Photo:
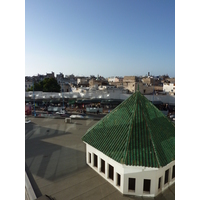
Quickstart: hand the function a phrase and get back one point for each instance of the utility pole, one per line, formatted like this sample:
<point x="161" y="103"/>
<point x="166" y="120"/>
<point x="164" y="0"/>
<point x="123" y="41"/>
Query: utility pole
<point x="153" y="88"/>
<point x="33" y="99"/>
<point x="63" y="95"/>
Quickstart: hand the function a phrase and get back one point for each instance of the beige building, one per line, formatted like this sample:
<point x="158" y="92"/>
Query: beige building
<point x="115" y="79"/>
<point x="158" y="88"/>
<point x="131" y="84"/>
<point x="147" y="80"/>
<point x="170" y="80"/>
<point x="144" y="89"/>
<point x="82" y="81"/>
<point x="117" y="84"/>
<point x="151" y="81"/>
<point x="93" y="82"/>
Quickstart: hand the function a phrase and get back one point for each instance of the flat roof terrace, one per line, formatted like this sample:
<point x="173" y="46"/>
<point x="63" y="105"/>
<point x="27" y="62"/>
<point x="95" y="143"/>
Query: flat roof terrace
<point x="55" y="155"/>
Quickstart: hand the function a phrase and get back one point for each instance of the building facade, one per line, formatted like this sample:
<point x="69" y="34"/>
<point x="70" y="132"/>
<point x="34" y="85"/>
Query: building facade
<point x="28" y="85"/>
<point x="97" y="82"/>
<point x="169" y="87"/>
<point x="133" y="148"/>
<point x="131" y="180"/>
<point x="129" y="83"/>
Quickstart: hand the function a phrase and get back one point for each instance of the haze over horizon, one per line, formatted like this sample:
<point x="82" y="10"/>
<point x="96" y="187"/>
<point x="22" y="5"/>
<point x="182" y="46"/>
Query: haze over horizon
<point x="109" y="38"/>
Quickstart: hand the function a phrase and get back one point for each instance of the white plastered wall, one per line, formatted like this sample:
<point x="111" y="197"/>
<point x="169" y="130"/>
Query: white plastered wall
<point x="126" y="172"/>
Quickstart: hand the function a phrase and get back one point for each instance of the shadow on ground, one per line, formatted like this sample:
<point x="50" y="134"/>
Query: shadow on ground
<point x="47" y="160"/>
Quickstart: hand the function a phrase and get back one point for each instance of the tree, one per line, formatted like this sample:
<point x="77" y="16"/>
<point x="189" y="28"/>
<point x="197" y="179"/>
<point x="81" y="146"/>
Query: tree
<point x="51" y="85"/>
<point x="47" y="85"/>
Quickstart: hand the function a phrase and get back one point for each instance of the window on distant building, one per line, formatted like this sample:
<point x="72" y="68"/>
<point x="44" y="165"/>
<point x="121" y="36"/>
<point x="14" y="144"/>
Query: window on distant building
<point x="131" y="184"/>
<point x="111" y="172"/>
<point x="103" y="166"/>
<point x="166" y="176"/>
<point x="147" y="185"/>
<point x="89" y="157"/>
<point x="95" y="161"/>
<point x="173" y="172"/>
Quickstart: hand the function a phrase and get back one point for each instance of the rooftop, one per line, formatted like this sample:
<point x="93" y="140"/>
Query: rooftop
<point x="55" y="156"/>
<point x="135" y="133"/>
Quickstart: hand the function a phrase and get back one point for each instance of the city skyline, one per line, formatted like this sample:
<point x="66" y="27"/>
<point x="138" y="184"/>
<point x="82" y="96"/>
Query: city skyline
<point x="96" y="75"/>
<point x="109" y="38"/>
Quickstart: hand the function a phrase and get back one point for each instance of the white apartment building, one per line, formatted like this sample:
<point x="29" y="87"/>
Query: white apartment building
<point x="169" y="87"/>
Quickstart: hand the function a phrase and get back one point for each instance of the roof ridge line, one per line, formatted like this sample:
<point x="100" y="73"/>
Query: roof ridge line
<point x="129" y="132"/>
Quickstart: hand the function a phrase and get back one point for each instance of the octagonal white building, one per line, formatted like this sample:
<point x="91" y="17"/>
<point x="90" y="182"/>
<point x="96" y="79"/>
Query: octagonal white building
<point x="133" y="148"/>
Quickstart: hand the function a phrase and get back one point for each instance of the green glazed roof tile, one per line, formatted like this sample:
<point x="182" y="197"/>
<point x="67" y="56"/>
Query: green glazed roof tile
<point x="135" y="133"/>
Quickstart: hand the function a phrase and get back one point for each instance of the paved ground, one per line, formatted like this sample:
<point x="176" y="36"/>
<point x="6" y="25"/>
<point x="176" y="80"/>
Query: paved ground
<point x="55" y="155"/>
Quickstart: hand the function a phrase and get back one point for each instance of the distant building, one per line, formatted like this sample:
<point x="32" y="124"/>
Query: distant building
<point x="82" y="81"/>
<point x="133" y="148"/>
<point x="65" y="87"/>
<point x="28" y="84"/>
<point x="164" y="77"/>
<point x="71" y="79"/>
<point x="59" y="78"/>
<point x="50" y="75"/>
<point x="170" y="80"/>
<point x="131" y="84"/>
<point x="158" y="88"/>
<point x="38" y="78"/>
<point x="115" y="79"/>
<point x="169" y="87"/>
<point x="151" y="81"/>
<point x="97" y="82"/>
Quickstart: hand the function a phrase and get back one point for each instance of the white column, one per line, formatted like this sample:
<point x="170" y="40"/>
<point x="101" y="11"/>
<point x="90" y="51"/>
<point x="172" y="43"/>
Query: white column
<point x="115" y="177"/>
<point x="170" y="174"/>
<point x="86" y="154"/>
<point x="99" y="164"/>
<point x="106" y="169"/>
<point x="139" y="185"/>
<point x="92" y="159"/>
<point x="163" y="181"/>
<point x="125" y="184"/>
<point x="122" y="183"/>
<point x="154" y="185"/>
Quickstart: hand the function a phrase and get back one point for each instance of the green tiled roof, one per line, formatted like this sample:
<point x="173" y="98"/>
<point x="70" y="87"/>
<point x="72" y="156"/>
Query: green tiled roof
<point x="135" y="133"/>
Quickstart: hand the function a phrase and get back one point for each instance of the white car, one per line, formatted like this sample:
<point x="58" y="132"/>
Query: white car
<point x="172" y="116"/>
<point x="76" y="116"/>
<point x="27" y="120"/>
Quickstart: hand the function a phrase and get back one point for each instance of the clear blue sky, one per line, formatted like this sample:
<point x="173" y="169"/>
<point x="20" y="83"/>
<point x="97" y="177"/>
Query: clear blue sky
<point x="105" y="37"/>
